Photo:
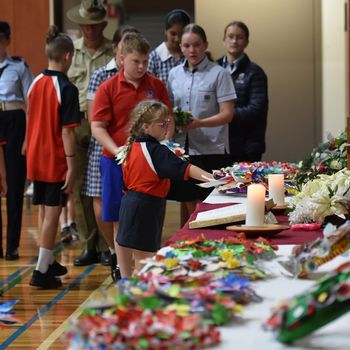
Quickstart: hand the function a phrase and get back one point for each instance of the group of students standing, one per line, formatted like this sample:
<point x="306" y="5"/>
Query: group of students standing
<point x="129" y="102"/>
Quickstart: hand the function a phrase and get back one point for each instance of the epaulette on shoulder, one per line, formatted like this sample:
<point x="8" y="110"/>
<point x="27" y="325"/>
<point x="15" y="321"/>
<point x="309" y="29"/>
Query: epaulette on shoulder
<point x="19" y="59"/>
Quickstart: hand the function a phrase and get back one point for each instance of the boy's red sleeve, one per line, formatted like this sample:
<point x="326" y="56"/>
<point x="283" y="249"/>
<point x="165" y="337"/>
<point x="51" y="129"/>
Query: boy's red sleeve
<point x="103" y="108"/>
<point x="187" y="172"/>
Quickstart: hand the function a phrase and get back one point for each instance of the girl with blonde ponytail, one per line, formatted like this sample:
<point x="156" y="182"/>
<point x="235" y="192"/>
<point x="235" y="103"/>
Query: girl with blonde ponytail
<point x="147" y="170"/>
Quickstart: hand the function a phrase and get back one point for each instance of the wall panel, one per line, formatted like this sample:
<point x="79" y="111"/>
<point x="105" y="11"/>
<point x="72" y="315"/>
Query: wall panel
<point x="285" y="38"/>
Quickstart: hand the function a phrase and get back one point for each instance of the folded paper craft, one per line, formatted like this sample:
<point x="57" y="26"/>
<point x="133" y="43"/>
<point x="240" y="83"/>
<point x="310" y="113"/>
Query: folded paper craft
<point x="327" y="300"/>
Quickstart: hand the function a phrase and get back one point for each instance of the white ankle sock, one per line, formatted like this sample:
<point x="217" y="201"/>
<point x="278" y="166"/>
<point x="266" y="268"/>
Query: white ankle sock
<point x="44" y="260"/>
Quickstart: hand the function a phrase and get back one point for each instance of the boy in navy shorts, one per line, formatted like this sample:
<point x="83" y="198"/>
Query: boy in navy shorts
<point x="52" y="115"/>
<point x="114" y="101"/>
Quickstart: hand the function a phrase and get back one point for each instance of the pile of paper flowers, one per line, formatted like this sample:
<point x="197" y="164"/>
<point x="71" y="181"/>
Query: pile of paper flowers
<point x="238" y="177"/>
<point x="176" y="301"/>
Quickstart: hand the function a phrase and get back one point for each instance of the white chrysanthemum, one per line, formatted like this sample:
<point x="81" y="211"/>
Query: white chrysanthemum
<point x="322" y="197"/>
<point x="303" y="213"/>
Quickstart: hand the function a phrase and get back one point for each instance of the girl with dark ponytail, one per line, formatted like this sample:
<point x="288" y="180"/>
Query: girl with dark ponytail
<point x="168" y="54"/>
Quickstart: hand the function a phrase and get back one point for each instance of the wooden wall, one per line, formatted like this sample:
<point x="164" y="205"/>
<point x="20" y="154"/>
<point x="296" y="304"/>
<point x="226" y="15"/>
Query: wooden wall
<point x="29" y="21"/>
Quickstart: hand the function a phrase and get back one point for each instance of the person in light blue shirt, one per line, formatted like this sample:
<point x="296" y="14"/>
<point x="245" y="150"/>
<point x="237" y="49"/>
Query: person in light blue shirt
<point x="15" y="80"/>
<point x="204" y="89"/>
<point x="168" y="54"/>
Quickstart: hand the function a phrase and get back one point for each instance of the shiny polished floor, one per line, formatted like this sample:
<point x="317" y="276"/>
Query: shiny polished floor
<point x="43" y="315"/>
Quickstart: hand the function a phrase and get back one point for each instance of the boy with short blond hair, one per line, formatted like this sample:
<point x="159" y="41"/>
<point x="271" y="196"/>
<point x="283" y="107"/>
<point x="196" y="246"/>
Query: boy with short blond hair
<point x="114" y="101"/>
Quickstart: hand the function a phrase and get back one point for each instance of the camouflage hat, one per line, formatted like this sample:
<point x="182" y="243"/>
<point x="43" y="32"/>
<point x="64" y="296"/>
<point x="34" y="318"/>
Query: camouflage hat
<point x="88" y="12"/>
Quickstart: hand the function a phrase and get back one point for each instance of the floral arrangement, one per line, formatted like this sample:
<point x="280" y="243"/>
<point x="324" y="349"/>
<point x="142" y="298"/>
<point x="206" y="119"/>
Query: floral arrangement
<point x="321" y="197"/>
<point x="327" y="158"/>
<point x="238" y="177"/>
<point x="181" y="117"/>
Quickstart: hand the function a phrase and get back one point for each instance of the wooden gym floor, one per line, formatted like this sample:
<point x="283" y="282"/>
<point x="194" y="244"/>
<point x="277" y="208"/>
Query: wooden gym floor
<point x="44" y="314"/>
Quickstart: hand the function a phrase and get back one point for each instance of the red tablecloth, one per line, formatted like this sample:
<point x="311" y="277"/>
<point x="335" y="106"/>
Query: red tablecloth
<point x="216" y="232"/>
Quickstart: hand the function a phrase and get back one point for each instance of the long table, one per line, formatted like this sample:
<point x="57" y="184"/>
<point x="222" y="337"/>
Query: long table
<point x="246" y="332"/>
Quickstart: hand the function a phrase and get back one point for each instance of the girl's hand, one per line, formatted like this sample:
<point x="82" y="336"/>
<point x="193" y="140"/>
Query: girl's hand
<point x="207" y="177"/>
<point x="195" y="123"/>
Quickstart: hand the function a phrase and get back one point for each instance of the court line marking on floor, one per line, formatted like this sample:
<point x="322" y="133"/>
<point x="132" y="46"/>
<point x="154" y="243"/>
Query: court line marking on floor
<point x="45" y="309"/>
<point x="59" y="331"/>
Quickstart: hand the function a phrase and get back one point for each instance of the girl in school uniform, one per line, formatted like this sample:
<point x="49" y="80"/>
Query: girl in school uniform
<point x="147" y="170"/>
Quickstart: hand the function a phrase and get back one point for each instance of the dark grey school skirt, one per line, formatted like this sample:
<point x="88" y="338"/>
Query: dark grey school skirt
<point x="141" y="221"/>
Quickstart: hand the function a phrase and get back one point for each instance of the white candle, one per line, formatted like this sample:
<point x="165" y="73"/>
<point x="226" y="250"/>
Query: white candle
<point x="255" y="205"/>
<point x="276" y="188"/>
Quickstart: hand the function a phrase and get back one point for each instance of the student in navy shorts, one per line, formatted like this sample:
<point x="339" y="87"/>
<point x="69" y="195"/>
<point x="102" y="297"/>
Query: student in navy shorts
<point x="147" y="170"/>
<point x="53" y="113"/>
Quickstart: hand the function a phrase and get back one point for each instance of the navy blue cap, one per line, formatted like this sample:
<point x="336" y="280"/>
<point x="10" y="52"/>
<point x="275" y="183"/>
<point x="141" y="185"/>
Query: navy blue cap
<point x="5" y="29"/>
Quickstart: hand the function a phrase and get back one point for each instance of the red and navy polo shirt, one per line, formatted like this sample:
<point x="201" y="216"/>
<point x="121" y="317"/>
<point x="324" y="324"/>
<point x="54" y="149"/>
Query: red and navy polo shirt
<point x="150" y="166"/>
<point x="53" y="105"/>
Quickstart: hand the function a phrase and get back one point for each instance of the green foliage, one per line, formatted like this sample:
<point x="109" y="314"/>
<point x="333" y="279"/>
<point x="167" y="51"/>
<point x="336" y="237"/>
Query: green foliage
<point x="327" y="158"/>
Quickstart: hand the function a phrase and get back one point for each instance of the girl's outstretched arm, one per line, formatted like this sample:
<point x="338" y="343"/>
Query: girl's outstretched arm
<point x="199" y="174"/>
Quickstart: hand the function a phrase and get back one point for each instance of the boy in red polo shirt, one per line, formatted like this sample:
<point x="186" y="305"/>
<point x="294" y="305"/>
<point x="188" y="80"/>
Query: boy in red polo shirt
<point x="114" y="101"/>
<point x="52" y="115"/>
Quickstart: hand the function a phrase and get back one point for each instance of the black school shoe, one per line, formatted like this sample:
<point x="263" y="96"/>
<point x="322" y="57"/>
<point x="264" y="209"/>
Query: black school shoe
<point x="87" y="257"/>
<point x="115" y="271"/>
<point x="13" y="255"/>
<point x="116" y="276"/>
<point x="66" y="235"/>
<point x="105" y="258"/>
<point x="44" y="280"/>
<point x="74" y="231"/>
<point x="57" y="269"/>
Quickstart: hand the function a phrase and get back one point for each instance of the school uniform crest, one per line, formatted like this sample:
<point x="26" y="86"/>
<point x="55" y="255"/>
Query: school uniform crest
<point x="240" y="78"/>
<point x="150" y="93"/>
